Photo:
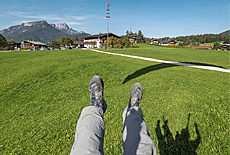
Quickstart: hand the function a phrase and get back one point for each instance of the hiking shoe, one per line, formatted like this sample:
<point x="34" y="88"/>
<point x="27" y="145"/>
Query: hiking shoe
<point x="96" y="87"/>
<point x="135" y="95"/>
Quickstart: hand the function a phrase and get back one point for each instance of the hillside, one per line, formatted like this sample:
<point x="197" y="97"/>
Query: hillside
<point x="37" y="31"/>
<point x="225" y="32"/>
<point x="203" y="38"/>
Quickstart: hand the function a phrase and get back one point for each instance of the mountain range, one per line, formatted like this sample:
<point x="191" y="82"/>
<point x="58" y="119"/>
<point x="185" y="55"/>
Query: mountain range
<point x="41" y="31"/>
<point x="44" y="32"/>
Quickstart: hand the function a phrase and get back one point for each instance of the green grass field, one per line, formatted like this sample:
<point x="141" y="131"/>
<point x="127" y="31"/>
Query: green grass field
<point x="207" y="44"/>
<point x="42" y="94"/>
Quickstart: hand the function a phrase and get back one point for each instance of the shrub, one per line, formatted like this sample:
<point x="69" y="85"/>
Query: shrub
<point x="134" y="46"/>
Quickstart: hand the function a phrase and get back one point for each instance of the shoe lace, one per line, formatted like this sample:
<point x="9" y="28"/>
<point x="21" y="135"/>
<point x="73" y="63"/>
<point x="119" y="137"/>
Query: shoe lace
<point x="136" y="97"/>
<point x="95" y="95"/>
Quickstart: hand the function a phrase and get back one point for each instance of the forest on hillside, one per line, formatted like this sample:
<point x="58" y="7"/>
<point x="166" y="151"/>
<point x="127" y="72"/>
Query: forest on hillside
<point x="201" y="39"/>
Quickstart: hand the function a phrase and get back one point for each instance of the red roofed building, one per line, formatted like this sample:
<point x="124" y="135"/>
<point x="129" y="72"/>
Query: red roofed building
<point x="203" y="47"/>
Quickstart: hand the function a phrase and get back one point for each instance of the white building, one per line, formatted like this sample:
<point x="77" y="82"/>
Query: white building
<point x="97" y="40"/>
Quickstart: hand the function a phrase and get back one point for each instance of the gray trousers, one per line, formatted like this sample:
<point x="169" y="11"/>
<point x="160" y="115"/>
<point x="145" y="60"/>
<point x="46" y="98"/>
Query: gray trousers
<point x="89" y="135"/>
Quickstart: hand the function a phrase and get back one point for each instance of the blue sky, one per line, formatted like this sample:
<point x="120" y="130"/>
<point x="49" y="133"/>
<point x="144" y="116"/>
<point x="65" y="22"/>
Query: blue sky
<point x="155" y="18"/>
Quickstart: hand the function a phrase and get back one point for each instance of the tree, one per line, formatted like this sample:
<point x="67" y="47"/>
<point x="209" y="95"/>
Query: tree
<point x="55" y="44"/>
<point x="186" y="43"/>
<point x="194" y="43"/>
<point x="140" y="35"/>
<point x="62" y="41"/>
<point x="216" y="46"/>
<point x="11" y="44"/>
<point x="66" y="41"/>
<point x="180" y="44"/>
<point x="75" y="39"/>
<point x="111" y="41"/>
<point x="148" y="40"/>
<point x="3" y="42"/>
<point x="126" y="42"/>
<point x="119" y="42"/>
<point x="127" y="32"/>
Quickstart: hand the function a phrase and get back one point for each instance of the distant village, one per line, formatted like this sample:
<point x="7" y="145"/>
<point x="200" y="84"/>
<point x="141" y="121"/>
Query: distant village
<point x="28" y="36"/>
<point x="100" y="41"/>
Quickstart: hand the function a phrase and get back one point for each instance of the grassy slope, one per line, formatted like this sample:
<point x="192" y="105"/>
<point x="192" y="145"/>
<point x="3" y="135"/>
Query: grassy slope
<point x="207" y="44"/>
<point x="43" y="93"/>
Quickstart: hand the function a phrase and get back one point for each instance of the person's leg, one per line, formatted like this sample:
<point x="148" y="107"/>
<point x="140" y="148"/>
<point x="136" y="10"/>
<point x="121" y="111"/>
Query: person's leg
<point x="89" y="135"/>
<point x="136" y="136"/>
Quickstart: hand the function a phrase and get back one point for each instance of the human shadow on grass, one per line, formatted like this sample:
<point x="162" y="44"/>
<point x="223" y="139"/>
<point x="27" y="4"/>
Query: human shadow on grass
<point x="203" y="64"/>
<point x="179" y="145"/>
<point x="148" y="69"/>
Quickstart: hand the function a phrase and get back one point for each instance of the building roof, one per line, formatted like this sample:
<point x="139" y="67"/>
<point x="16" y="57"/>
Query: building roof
<point x="35" y="42"/>
<point x="225" y="46"/>
<point x="167" y="41"/>
<point x="202" y="47"/>
<point x="100" y="35"/>
<point x="78" y="42"/>
<point x="128" y="35"/>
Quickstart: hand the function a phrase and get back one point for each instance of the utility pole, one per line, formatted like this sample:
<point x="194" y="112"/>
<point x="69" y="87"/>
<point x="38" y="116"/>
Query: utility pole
<point x="107" y="16"/>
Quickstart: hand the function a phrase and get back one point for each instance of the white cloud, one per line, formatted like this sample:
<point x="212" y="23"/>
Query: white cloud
<point x="73" y="23"/>
<point x="74" y="20"/>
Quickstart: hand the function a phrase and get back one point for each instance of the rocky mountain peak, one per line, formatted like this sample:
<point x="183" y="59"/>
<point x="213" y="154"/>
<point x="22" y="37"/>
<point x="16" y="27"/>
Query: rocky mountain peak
<point x="65" y="28"/>
<point x="34" y="23"/>
<point x="61" y="26"/>
<point x="40" y="31"/>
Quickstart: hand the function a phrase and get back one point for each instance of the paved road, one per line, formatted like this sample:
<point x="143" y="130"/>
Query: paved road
<point x="168" y="62"/>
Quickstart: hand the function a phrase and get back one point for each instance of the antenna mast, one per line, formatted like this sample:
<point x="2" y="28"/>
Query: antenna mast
<point x="107" y="16"/>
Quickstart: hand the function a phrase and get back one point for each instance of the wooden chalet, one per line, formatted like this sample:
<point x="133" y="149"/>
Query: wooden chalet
<point x="168" y="43"/>
<point x="32" y="44"/>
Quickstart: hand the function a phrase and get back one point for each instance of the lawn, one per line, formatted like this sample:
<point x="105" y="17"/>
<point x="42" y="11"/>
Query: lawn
<point x="207" y="44"/>
<point x="196" y="56"/>
<point x="42" y="94"/>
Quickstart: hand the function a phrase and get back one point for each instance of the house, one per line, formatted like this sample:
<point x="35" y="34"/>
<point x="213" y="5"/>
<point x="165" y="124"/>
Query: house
<point x="203" y="47"/>
<point x="97" y="40"/>
<point x="79" y="44"/>
<point x="225" y="47"/>
<point x="168" y="42"/>
<point x="154" y="41"/>
<point x="132" y="38"/>
<point x="32" y="44"/>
